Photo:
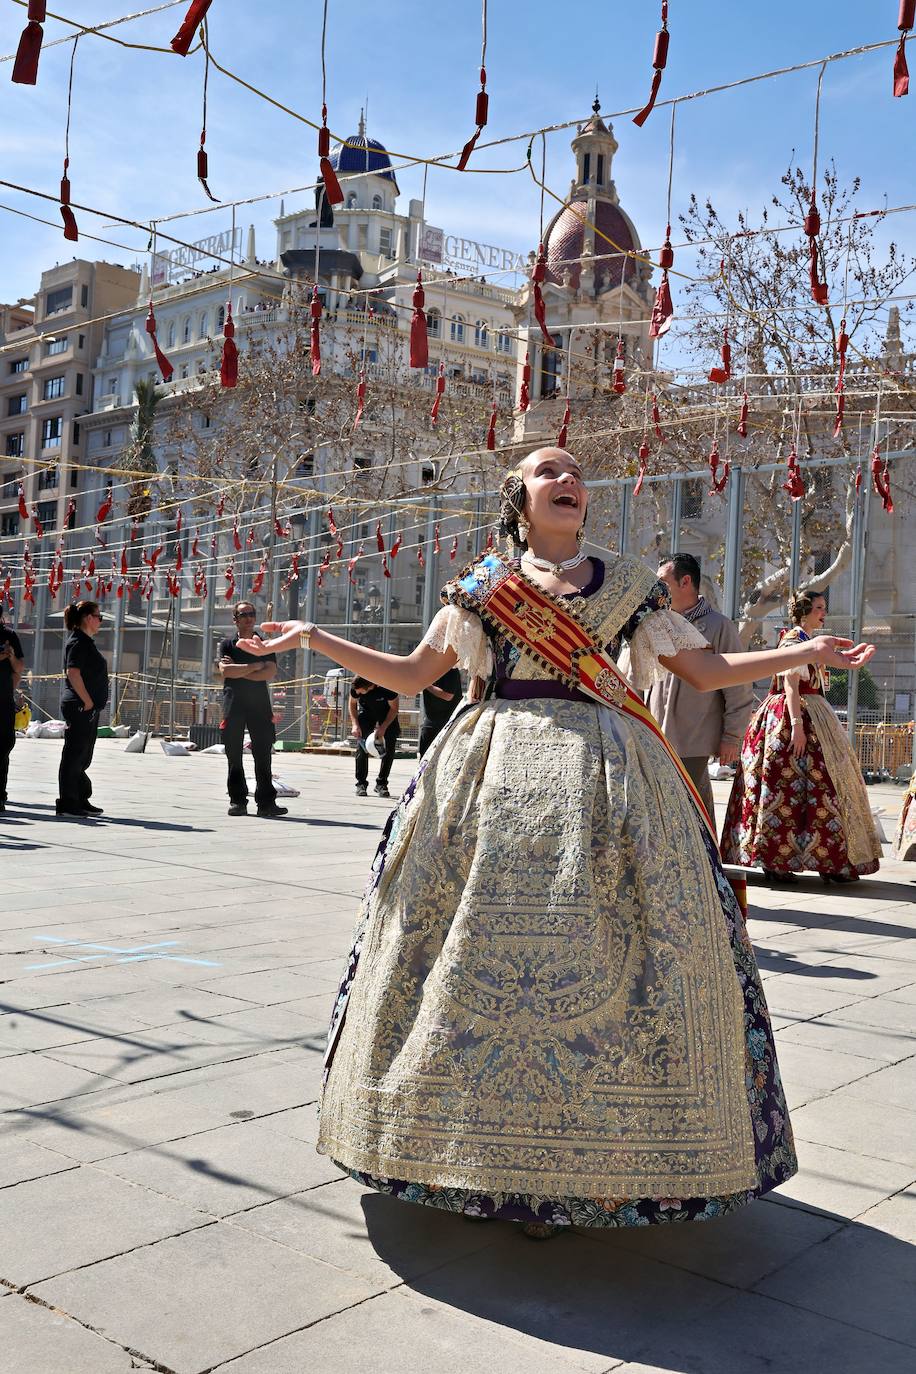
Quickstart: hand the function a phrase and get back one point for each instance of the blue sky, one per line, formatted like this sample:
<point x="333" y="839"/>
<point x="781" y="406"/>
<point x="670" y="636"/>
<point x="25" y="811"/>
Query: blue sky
<point x="136" y="115"/>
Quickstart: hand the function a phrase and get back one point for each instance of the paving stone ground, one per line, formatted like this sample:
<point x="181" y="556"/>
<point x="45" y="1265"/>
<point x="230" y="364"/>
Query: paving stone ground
<point x="165" y="980"/>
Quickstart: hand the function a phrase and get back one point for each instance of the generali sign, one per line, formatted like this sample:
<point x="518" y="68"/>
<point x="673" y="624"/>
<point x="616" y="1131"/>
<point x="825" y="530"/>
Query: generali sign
<point x="450" y="250"/>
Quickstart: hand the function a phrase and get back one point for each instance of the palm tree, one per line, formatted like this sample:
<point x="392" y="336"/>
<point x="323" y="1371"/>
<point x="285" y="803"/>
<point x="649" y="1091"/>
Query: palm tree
<point x="141" y="455"/>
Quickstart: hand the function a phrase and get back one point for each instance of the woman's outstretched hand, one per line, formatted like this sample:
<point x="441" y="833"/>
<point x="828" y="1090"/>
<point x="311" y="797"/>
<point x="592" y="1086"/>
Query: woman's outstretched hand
<point x="284" y="635"/>
<point x="832" y="652"/>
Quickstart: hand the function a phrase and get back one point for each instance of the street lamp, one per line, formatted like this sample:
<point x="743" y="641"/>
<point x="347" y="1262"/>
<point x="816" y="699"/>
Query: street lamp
<point x="373" y="602"/>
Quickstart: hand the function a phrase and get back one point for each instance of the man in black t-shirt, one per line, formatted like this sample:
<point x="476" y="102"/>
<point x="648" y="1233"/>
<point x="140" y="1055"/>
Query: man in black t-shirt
<point x="373" y="712"/>
<point x="12" y="666"/>
<point x="439" y="703"/>
<point x="246" y="705"/>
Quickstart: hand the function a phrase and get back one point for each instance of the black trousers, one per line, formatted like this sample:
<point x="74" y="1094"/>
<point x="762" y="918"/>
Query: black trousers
<point x="262" y="732"/>
<point x="73" y="785"/>
<point x="7" y="742"/>
<point x="362" y="758"/>
<point x="429" y="729"/>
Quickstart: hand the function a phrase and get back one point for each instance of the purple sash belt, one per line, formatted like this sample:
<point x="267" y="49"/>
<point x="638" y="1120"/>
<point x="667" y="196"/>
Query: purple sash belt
<point x="511" y="689"/>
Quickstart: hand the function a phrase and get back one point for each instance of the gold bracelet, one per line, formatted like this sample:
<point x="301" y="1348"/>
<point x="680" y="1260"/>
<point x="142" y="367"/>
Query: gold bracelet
<point x="305" y="636"/>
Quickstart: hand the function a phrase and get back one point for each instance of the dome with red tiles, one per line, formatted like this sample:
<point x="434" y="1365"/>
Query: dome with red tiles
<point x="566" y="235"/>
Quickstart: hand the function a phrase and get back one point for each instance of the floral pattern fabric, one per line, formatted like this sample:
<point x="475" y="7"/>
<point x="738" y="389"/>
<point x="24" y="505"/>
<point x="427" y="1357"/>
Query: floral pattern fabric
<point x="788" y="814"/>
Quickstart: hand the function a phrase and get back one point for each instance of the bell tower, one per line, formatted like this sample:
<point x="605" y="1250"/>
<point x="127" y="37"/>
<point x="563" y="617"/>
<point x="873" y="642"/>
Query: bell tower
<point x="594" y="147"/>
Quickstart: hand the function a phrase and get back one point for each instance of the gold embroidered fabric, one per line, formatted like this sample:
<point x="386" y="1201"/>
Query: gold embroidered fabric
<point x="660" y="634"/>
<point x="862" y="843"/>
<point x="546" y="1000"/>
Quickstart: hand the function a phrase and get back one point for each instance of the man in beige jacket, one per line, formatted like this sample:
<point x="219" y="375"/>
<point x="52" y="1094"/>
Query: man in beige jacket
<point x="700" y="725"/>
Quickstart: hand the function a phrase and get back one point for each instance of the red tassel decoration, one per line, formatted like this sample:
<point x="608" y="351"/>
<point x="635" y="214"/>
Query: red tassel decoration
<point x="332" y="192"/>
<point x="25" y="67"/>
<point x="386" y="571"/>
<point x="230" y="582"/>
<point x="39" y="527"/>
<point x="203" y="170"/>
<point x="742" y="418"/>
<point x="314" y="331"/>
<point x="151" y="559"/>
<point x="165" y="367"/>
<point x="490" y="542"/>
<point x="105" y="508"/>
<point x="179" y="560"/>
<point x="440" y="392"/>
<point x="905" y="21"/>
<point x="23" y="508"/>
<point x="643" y="465"/>
<point x="69" y="513"/>
<point x="419" y="345"/>
<point x="840" y="388"/>
<point x="70" y="230"/>
<point x="421" y="561"/>
<point x="395" y="548"/>
<point x="437" y="546"/>
<point x="812" y="229"/>
<point x="524" y="395"/>
<point x="453" y="551"/>
<point x="659" y="61"/>
<point x="192" y="22"/>
<point x="881" y="478"/>
<point x="360" y="399"/>
<point x="379" y="538"/>
<point x="539" y="275"/>
<point x="490" y="432"/>
<point x="717" y="482"/>
<point x="229" y="363"/>
<point x="491" y="429"/>
<point x="236" y="538"/>
<point x="124" y="562"/>
<point x="481" y="111"/>
<point x="619" y="382"/>
<point x="564" y="427"/>
<point x="195" y="547"/>
<point x="794" y="483"/>
<point x="663" y="308"/>
<point x="657" y="420"/>
<point x="258" y="581"/>
<point x="719" y="375"/>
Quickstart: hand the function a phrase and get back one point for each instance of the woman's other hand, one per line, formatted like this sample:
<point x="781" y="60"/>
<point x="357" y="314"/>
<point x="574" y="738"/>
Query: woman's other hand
<point x="833" y="652"/>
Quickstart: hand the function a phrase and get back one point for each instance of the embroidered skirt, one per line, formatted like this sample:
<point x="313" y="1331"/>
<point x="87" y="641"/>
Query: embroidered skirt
<point x="551" y="1010"/>
<point x="788" y="814"/>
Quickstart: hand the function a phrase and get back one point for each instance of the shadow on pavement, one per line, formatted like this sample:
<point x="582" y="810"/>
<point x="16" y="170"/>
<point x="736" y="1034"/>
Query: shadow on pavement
<point x="757" y="1291"/>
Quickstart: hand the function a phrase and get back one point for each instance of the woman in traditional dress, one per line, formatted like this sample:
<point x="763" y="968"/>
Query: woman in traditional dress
<point x="905" y="835"/>
<point x="551" y="1012"/>
<point x="798" y="800"/>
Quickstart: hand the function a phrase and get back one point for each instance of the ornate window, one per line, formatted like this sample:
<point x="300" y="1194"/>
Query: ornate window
<point x="481" y="334"/>
<point x="434" y="324"/>
<point x="457" y="329"/>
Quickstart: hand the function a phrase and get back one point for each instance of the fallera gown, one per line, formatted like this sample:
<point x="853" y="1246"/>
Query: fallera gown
<point x="551" y="1011"/>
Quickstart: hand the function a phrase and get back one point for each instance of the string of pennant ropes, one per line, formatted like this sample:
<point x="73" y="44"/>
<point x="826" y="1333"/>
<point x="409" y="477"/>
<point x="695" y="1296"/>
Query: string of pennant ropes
<point x="193" y="36"/>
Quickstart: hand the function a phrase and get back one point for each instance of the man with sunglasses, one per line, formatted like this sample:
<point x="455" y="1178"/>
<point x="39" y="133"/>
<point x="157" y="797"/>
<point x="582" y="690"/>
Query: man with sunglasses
<point x="247" y="706"/>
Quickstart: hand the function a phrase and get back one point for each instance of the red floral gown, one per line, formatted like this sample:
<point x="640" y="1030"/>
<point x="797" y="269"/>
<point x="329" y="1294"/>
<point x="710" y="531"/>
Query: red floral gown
<point x="788" y="814"/>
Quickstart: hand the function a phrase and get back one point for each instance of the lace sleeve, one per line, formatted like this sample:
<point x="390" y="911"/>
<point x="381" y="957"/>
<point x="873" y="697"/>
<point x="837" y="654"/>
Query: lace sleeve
<point x="461" y="630"/>
<point x="660" y="633"/>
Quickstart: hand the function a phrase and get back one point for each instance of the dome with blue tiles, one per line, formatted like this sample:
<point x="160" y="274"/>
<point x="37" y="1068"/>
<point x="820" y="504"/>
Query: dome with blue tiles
<point x="359" y="153"/>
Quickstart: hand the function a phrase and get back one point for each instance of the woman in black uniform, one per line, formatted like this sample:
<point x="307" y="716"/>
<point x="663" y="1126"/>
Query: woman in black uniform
<point x="84" y="696"/>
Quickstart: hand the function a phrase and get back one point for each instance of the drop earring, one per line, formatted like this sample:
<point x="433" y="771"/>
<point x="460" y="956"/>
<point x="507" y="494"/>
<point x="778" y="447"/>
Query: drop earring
<point x="580" y="535"/>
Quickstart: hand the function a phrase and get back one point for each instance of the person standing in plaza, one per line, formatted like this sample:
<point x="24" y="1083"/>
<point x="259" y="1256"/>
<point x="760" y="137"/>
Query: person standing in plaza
<point x="374" y="715"/>
<point x="700" y="725"/>
<point x="439" y="704"/>
<point x="551" y="1012"/>
<point x="84" y="696"/>
<point x="798" y="800"/>
<point x="247" y="706"/>
<point x="12" y="666"/>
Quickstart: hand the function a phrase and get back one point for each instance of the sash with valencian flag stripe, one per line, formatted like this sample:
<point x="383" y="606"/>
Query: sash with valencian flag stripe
<point x="543" y="627"/>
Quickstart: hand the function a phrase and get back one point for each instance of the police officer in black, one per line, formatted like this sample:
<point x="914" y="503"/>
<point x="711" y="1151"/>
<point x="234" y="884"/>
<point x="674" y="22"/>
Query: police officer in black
<point x="12" y="666"/>
<point x="84" y="696"/>
<point x="439" y="703"/>
<point x="246" y="706"/>
<point x="374" y="711"/>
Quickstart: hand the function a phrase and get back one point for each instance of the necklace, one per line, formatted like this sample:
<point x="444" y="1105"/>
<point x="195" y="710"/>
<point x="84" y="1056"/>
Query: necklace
<point x="545" y="565"/>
